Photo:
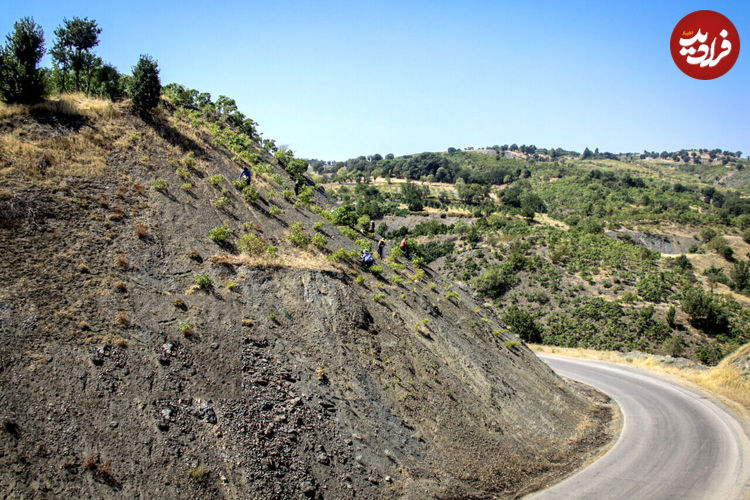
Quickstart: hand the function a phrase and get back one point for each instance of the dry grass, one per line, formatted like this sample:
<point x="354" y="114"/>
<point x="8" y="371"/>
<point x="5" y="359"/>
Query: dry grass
<point x="37" y="154"/>
<point x="727" y="382"/>
<point x="74" y="104"/>
<point x="293" y="260"/>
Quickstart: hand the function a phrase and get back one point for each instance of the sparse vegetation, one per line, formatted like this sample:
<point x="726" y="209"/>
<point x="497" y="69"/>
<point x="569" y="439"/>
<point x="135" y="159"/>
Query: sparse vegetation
<point x="219" y="234"/>
<point x="160" y="185"/>
<point x="203" y="281"/>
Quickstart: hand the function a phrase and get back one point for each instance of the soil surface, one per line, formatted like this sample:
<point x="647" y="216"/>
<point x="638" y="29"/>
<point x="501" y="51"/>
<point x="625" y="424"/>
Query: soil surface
<point x="287" y="377"/>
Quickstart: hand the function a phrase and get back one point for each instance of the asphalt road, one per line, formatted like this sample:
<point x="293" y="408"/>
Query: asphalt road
<point x="675" y="443"/>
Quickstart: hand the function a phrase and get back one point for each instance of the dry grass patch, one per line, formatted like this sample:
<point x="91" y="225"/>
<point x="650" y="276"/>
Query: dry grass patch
<point x="81" y="154"/>
<point x="293" y="260"/>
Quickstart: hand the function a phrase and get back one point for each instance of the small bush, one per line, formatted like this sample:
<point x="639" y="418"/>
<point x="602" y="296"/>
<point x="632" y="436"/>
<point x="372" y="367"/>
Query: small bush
<point x="674" y="345"/>
<point x="160" y="185"/>
<point x="186" y="328"/>
<point x="274" y="210"/>
<point x="272" y="250"/>
<point x="453" y="295"/>
<point x="318" y="225"/>
<point x="186" y="186"/>
<point x="239" y="184"/>
<point x="221" y="203"/>
<point x="250" y="194"/>
<point x="379" y="296"/>
<point x="215" y="180"/>
<point x="523" y="324"/>
<point x="188" y="160"/>
<point x="319" y="240"/>
<point x="510" y="344"/>
<point x="219" y="234"/>
<point x="288" y="194"/>
<point x="376" y="269"/>
<point x="183" y="172"/>
<point x="203" y="281"/>
<point x="359" y="280"/>
<point x="252" y="244"/>
<point x="199" y="472"/>
<point x="296" y="236"/>
<point x="232" y="285"/>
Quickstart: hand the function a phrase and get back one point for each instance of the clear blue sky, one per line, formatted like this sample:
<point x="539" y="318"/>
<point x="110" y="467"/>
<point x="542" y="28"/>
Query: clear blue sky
<point x="335" y="80"/>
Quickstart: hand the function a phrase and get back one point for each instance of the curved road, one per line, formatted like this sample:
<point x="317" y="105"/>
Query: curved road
<point x="675" y="442"/>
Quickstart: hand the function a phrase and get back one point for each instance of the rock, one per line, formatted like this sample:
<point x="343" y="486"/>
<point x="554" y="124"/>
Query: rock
<point x="211" y="416"/>
<point x="323" y="458"/>
<point x="307" y="487"/>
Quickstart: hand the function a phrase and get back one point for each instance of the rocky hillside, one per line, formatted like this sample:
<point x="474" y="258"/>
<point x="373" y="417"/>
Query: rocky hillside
<point x="166" y="331"/>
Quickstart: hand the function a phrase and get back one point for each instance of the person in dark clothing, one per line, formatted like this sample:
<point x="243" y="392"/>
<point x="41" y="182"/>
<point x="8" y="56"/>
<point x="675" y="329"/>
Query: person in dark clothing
<point x="381" y="248"/>
<point x="245" y="175"/>
<point x="367" y="259"/>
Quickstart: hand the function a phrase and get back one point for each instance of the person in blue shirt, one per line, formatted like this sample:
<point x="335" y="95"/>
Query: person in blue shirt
<point x="245" y="175"/>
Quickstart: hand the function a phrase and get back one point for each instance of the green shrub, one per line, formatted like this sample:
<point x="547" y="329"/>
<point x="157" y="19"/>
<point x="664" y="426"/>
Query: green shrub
<point x="349" y="233"/>
<point x="376" y="269"/>
<point x="318" y="225"/>
<point x="319" y="240"/>
<point x="364" y="244"/>
<point x="510" y="344"/>
<point x="379" y="296"/>
<point x="495" y="282"/>
<point x="271" y="250"/>
<point x="704" y="310"/>
<point x="188" y="160"/>
<point x="183" y="172"/>
<point x="250" y="193"/>
<point x="359" y="280"/>
<point x="670" y="316"/>
<point x="288" y="194"/>
<point x="305" y="195"/>
<point x="398" y="280"/>
<point x="453" y="295"/>
<point x="203" y="281"/>
<point x="239" y="184"/>
<point x="215" y="180"/>
<point x="709" y="354"/>
<point x="186" y="328"/>
<point x="252" y="244"/>
<point x="523" y="324"/>
<point x="274" y="210"/>
<point x="219" y="234"/>
<point x="396" y="266"/>
<point x="160" y="185"/>
<point x="296" y="236"/>
<point x="674" y="345"/>
<point x="221" y="203"/>
<point x="186" y="186"/>
<point x="232" y="285"/>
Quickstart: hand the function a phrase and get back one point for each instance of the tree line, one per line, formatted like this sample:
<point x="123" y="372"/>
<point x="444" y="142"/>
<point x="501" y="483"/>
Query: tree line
<point x="76" y="67"/>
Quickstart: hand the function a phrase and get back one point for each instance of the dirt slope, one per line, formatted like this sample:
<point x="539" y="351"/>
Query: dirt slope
<point x="293" y="382"/>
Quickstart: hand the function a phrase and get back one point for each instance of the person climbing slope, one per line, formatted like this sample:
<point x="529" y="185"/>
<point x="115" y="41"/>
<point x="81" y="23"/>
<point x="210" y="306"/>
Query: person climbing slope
<point x="245" y="175"/>
<point x="381" y="248"/>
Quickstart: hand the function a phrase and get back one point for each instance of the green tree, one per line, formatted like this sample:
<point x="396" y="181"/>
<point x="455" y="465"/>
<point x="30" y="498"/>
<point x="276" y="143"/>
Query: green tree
<point x="20" y="79"/>
<point x="523" y="324"/>
<point x="145" y="87"/>
<point x="72" y="51"/>
<point x="412" y="196"/>
<point x="740" y="275"/>
<point x="704" y="310"/>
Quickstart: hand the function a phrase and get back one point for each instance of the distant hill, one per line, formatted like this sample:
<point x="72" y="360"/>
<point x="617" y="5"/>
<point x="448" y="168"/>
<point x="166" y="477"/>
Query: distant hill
<point x="645" y="252"/>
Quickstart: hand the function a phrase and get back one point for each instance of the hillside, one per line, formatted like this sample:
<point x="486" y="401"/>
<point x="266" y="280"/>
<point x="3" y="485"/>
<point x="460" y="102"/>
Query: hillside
<point x="170" y="331"/>
<point x="629" y="252"/>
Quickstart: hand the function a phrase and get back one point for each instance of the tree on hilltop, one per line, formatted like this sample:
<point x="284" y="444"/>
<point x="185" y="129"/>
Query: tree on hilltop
<point x="145" y="87"/>
<point x="72" y="51"/>
<point x="20" y="79"/>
